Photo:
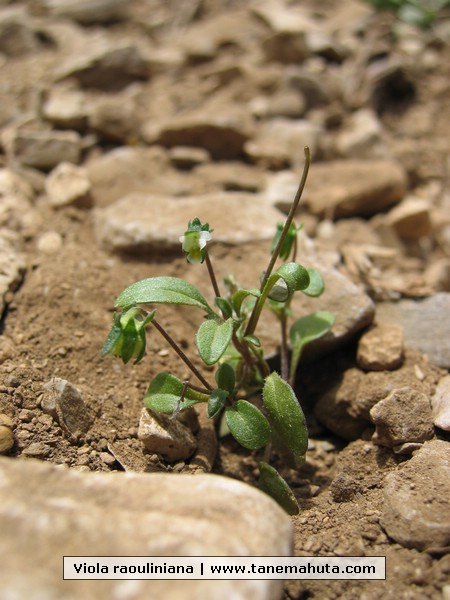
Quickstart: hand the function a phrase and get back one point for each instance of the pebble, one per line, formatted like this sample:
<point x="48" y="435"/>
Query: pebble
<point x="132" y="514"/>
<point x="425" y="324"/>
<point x="12" y="267"/>
<point x="165" y="436"/>
<point x="6" y="437"/>
<point x="381" y="348"/>
<point x="86" y="12"/>
<point x="45" y="149"/>
<point x="416" y="511"/>
<point x="62" y="400"/>
<point x="37" y="450"/>
<point x="68" y="184"/>
<point x="7" y="348"/>
<point x="411" y="219"/>
<point x="49" y="242"/>
<point x="440" y="404"/>
<point x="66" y="107"/>
<point x="354" y="188"/>
<point x="403" y="417"/>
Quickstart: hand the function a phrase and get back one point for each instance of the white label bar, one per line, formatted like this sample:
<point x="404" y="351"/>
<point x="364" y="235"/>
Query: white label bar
<point x="224" y="567"/>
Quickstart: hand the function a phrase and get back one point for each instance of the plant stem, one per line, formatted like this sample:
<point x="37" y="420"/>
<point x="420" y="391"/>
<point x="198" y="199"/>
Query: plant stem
<point x="257" y="308"/>
<point x="284" y="352"/>
<point x="181" y="354"/>
<point x="212" y="275"/>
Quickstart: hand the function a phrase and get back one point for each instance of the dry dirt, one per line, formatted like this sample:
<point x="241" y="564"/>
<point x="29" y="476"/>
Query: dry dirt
<point x="57" y="321"/>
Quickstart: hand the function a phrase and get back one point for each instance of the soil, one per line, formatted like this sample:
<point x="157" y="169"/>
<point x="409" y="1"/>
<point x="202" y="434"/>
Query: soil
<point x="58" y="317"/>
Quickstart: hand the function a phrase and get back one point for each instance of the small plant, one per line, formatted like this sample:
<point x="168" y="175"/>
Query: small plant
<point x="417" y="12"/>
<point x="257" y="406"/>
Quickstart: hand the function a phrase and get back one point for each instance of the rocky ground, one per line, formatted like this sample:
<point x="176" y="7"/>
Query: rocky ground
<point x="120" y="121"/>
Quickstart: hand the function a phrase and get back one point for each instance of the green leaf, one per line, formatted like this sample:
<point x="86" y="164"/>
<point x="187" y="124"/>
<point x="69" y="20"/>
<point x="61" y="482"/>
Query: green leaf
<point x="162" y="290"/>
<point x="165" y="391"/>
<point x="216" y="402"/>
<point x="271" y="482"/>
<point x="248" y="425"/>
<point x="316" y="285"/>
<point x="253" y="340"/>
<point x="225" y="307"/>
<point x="295" y="276"/>
<point x="226" y="378"/>
<point x="305" y="330"/>
<point x="212" y="339"/>
<point x="239" y="297"/>
<point x="285" y="416"/>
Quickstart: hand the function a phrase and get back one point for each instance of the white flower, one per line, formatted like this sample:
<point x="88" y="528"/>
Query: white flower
<point x="194" y="243"/>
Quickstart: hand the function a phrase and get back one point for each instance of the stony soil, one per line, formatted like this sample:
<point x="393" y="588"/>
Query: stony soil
<point x="222" y="58"/>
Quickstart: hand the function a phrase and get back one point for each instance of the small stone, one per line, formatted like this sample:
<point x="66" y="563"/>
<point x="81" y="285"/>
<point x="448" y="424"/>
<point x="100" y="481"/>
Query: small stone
<point x="115" y="119"/>
<point x="45" y="149"/>
<point x="17" y="36"/>
<point x="6" y="438"/>
<point x="7" y="348"/>
<point x="6" y="420"/>
<point x="12" y="265"/>
<point x="344" y="488"/>
<point x="86" y="12"/>
<point x="403" y="416"/>
<point x="411" y="219"/>
<point x="222" y="135"/>
<point x="50" y="242"/>
<point x="360" y="136"/>
<point x="165" y="436"/>
<point x="381" y="348"/>
<point x="187" y="157"/>
<point x="416" y="511"/>
<point x="440" y="404"/>
<point x="354" y="187"/>
<point x="37" y="450"/>
<point x="107" y="458"/>
<point x="71" y="410"/>
<point x="68" y="184"/>
<point x="66" y="108"/>
<point x="425" y="324"/>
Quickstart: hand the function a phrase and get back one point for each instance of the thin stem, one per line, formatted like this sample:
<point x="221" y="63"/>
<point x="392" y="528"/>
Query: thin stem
<point x="212" y="275"/>
<point x="257" y="308"/>
<point x="181" y="354"/>
<point x="284" y="352"/>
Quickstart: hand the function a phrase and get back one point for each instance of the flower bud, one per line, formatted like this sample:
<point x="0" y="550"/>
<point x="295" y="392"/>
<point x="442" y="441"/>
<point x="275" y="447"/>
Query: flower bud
<point x="127" y="336"/>
<point x="194" y="241"/>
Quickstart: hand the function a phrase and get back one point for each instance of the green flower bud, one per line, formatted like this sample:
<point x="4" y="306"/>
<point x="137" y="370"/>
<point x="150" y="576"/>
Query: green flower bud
<point x="289" y="240"/>
<point x="127" y="336"/>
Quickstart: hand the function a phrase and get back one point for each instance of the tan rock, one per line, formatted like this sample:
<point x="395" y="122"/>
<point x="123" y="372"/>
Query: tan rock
<point x="6" y="439"/>
<point x="165" y="436"/>
<point x="440" y="403"/>
<point x="411" y="219"/>
<point x="45" y="149"/>
<point x="354" y="187"/>
<point x="132" y="514"/>
<point x="381" y="348"/>
<point x="68" y="184"/>
<point x="64" y="402"/>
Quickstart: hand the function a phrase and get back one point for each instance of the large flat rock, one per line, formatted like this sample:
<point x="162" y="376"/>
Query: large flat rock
<point x="47" y="512"/>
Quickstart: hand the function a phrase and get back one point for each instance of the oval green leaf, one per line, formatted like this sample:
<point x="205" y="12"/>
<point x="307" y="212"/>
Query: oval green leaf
<point x="271" y="482"/>
<point x="248" y="425"/>
<point x="164" y="394"/>
<point x="212" y="339"/>
<point x="226" y="377"/>
<point x="316" y="285"/>
<point x="162" y="290"/>
<point x="216" y="402"/>
<point x="306" y="330"/>
<point x="285" y="416"/>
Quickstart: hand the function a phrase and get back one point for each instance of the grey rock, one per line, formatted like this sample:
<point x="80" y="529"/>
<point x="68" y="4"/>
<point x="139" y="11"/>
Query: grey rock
<point x="440" y="403"/>
<point x="361" y="136"/>
<point x="141" y="223"/>
<point x="45" y="149"/>
<point x="223" y="134"/>
<point x="86" y="12"/>
<point x="165" y="436"/>
<point x="68" y="184"/>
<point x="354" y="187"/>
<point x="416" y="511"/>
<point x="64" y="402"/>
<point x="153" y="515"/>
<point x="381" y="348"/>
<point x="106" y="66"/>
<point x="344" y="488"/>
<point x="279" y="142"/>
<point x="403" y="417"/>
<point x="12" y="265"/>
<point x="425" y="324"/>
<point x="114" y="119"/>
